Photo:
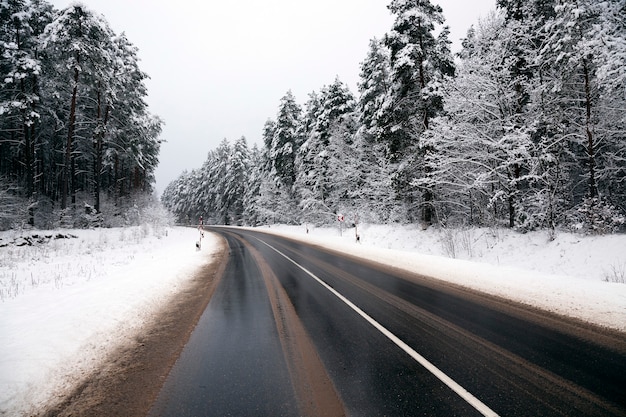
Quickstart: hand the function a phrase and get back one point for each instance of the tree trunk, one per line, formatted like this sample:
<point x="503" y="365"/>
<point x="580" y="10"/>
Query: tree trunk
<point x="116" y="178"/>
<point x="427" y="213"/>
<point x="422" y="77"/>
<point x="74" y="180"/>
<point x="513" y="192"/>
<point x="98" y="144"/>
<point x="593" y="190"/>
<point x="28" y="156"/>
<point x="70" y="143"/>
<point x="511" y="212"/>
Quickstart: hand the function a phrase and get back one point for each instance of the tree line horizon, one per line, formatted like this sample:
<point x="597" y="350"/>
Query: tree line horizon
<point x="525" y="128"/>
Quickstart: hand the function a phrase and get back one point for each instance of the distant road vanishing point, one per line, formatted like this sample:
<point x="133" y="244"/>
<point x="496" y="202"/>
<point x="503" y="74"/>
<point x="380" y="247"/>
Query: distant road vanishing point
<point x="294" y="329"/>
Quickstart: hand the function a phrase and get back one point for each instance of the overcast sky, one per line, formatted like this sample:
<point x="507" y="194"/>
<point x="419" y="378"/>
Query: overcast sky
<point x="219" y="68"/>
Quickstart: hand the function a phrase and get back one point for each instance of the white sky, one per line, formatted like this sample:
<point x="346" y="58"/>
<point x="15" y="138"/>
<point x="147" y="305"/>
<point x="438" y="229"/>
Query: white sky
<point x="219" y="68"/>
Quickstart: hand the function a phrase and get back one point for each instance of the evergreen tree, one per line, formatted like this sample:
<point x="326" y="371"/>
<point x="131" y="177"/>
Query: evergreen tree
<point x="219" y="180"/>
<point x="127" y="134"/>
<point x="252" y="213"/>
<point x="331" y="127"/>
<point x="373" y="88"/>
<point x="269" y="129"/>
<point x="307" y="179"/>
<point x="529" y="134"/>
<point x="237" y="180"/>
<point x="20" y="100"/>
<point x="79" y="42"/>
<point x="285" y="142"/>
<point x="74" y="119"/>
<point x="420" y="62"/>
<point x="417" y="71"/>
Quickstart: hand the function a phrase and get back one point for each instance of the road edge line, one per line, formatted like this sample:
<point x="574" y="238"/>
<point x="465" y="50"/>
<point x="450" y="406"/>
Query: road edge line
<point x="453" y="385"/>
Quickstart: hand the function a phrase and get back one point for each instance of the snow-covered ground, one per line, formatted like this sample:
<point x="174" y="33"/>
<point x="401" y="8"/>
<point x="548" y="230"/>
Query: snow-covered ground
<point x="65" y="302"/>
<point x="574" y="275"/>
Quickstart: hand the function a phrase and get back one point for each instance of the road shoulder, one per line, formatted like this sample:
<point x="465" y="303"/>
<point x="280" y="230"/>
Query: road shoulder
<point x="133" y="374"/>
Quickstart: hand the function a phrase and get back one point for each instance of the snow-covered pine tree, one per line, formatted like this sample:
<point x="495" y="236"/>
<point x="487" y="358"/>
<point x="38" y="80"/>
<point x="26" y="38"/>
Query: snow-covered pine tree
<point x="252" y="215"/>
<point x="79" y="42"/>
<point x="219" y="181"/>
<point x="338" y="122"/>
<point x="272" y="197"/>
<point x="420" y="61"/>
<point x="307" y="175"/>
<point x="127" y="135"/>
<point x="373" y="88"/>
<point x="373" y="187"/>
<point x="285" y="142"/>
<point x="178" y="198"/>
<point x="20" y="101"/>
<point x="74" y="118"/>
<point x="330" y="125"/>
<point x="237" y="181"/>
<point x="269" y="128"/>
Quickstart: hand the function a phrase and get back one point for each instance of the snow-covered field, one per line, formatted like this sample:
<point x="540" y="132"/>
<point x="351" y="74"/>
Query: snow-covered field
<point x="574" y="275"/>
<point x="65" y="302"/>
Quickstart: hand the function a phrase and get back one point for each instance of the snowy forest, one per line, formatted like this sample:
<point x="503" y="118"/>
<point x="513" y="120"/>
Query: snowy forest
<point x="78" y="146"/>
<point x="524" y="128"/>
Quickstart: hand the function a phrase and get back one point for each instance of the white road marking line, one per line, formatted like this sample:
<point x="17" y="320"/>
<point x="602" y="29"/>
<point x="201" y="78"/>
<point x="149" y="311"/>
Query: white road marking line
<point x="462" y="392"/>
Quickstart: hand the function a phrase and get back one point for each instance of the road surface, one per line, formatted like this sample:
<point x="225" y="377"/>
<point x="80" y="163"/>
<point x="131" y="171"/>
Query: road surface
<point x="298" y="330"/>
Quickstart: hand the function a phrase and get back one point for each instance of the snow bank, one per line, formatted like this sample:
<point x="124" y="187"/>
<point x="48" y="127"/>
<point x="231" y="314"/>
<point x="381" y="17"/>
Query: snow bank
<point x="579" y="276"/>
<point x="66" y="303"/>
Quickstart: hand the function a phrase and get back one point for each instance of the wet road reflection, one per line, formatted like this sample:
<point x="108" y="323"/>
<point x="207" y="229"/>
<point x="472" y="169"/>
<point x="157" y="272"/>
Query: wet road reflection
<point x="233" y="363"/>
<point x="239" y="360"/>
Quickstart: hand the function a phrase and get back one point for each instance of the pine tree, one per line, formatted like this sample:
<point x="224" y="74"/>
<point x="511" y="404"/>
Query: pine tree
<point x="286" y="142"/>
<point x="330" y="123"/>
<point x="373" y="88"/>
<point x="237" y="180"/>
<point x="307" y="160"/>
<point x="124" y="124"/>
<point x="20" y="101"/>
<point x="252" y="212"/>
<point x="79" y="41"/>
<point x="74" y="119"/>
<point x="420" y="62"/>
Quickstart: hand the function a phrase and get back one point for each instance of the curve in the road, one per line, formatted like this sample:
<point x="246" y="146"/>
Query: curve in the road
<point x="452" y="384"/>
<point x="298" y="330"/>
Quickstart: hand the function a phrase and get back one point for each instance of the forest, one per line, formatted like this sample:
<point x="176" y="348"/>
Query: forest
<point x="78" y="145"/>
<point x="524" y="128"/>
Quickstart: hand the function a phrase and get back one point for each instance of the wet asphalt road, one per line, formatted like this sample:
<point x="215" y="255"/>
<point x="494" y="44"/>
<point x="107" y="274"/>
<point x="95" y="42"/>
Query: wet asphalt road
<point x="512" y="361"/>
<point x="233" y="363"/>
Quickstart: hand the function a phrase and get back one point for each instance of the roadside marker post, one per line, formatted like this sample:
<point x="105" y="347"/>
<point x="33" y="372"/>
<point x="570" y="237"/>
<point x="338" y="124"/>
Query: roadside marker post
<point x="201" y="230"/>
<point x="340" y="219"/>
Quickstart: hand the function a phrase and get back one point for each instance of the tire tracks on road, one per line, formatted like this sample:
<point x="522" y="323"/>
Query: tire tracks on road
<point x="316" y="393"/>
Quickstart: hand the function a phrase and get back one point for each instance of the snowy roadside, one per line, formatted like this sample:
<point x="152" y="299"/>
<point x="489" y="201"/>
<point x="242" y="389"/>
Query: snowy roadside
<point x="66" y="303"/>
<point x="572" y="275"/>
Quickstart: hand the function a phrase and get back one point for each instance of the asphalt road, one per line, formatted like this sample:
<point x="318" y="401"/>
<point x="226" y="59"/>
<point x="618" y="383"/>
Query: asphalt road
<point x="297" y="330"/>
